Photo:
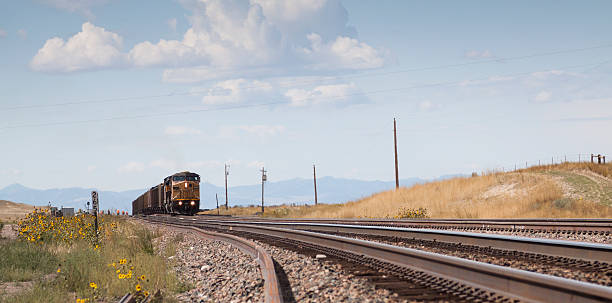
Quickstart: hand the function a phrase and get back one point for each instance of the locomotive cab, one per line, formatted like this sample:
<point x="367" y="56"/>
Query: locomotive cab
<point x="182" y="193"/>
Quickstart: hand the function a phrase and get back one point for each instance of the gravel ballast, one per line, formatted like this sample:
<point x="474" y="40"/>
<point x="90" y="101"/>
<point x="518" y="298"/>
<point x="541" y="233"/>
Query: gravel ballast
<point x="217" y="271"/>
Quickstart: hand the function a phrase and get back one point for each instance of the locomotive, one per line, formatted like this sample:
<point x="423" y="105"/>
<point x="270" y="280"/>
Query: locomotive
<point x="177" y="194"/>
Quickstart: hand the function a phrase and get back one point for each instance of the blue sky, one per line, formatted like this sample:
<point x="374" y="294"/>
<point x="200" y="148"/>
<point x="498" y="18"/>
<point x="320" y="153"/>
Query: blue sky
<point x="118" y="94"/>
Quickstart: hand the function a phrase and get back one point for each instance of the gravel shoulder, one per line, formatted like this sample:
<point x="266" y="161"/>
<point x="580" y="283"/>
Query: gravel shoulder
<point x="215" y="271"/>
<point x="218" y="272"/>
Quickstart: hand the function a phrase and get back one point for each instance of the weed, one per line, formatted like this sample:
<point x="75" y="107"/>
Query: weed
<point x="22" y="261"/>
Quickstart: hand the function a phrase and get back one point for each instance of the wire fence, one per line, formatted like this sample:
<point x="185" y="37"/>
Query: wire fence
<point x="553" y="160"/>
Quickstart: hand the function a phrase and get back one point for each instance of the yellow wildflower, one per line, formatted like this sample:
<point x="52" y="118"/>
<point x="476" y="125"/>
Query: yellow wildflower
<point x="93" y="285"/>
<point x="138" y="288"/>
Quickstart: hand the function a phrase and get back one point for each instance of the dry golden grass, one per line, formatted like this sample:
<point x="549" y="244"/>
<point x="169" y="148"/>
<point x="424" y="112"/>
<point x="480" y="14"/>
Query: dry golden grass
<point x="12" y="211"/>
<point x="527" y="193"/>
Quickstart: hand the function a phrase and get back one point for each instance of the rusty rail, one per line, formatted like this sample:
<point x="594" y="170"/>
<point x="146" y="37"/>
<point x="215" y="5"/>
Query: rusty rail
<point x="523" y="285"/>
<point x="560" y="248"/>
<point x="586" y="225"/>
<point x="272" y="288"/>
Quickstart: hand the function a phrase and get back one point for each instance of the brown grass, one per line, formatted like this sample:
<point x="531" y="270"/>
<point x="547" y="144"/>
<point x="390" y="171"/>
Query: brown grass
<point x="12" y="211"/>
<point x="528" y="193"/>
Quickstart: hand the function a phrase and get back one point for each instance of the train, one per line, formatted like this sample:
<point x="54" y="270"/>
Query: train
<point x="177" y="194"/>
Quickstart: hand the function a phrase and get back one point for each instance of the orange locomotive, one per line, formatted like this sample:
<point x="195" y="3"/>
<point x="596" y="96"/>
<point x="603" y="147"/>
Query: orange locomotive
<point x="178" y="194"/>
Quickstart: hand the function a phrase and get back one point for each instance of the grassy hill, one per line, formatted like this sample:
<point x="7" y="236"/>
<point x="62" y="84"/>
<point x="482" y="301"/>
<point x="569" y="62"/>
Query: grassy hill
<point x="10" y="211"/>
<point x="554" y="191"/>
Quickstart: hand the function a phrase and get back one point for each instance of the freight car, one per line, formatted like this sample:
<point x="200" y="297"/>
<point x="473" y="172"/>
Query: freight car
<point x="177" y="194"/>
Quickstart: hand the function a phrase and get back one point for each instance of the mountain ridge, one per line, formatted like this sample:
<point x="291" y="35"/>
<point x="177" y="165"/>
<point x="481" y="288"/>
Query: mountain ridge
<point x="296" y="190"/>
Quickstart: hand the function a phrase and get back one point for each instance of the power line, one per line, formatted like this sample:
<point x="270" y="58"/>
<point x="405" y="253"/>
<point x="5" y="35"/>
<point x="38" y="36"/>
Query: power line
<point x="242" y="106"/>
<point x="326" y="78"/>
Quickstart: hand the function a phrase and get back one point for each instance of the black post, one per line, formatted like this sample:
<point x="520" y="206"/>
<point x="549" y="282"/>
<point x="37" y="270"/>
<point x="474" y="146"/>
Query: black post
<point x="314" y="174"/>
<point x="217" y="198"/>
<point x="395" y="146"/>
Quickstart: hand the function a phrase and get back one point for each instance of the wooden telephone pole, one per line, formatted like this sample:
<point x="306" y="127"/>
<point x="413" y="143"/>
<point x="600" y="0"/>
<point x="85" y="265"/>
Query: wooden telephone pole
<point x="395" y="145"/>
<point x="226" y="173"/>
<point x="314" y="174"/>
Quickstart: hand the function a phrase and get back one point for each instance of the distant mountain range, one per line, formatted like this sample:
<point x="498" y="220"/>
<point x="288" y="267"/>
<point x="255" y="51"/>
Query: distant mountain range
<point x="299" y="191"/>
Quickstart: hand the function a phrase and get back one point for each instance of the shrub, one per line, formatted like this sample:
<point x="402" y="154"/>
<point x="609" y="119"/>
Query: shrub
<point x="410" y="213"/>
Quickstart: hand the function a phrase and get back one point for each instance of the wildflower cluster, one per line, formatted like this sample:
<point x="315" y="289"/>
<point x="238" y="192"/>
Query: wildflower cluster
<point x="40" y="226"/>
<point x="410" y="213"/>
<point x="125" y="271"/>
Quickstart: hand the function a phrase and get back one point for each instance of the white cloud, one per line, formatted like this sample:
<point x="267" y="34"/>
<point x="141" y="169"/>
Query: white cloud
<point x="181" y="130"/>
<point x="263" y="130"/>
<point x="237" y="91"/>
<point x="2" y="33"/>
<point x="552" y="73"/>
<point x="256" y="164"/>
<point x="132" y="167"/>
<point x="543" y="96"/>
<point x="93" y="47"/>
<point x="475" y="54"/>
<point x="252" y="37"/>
<point x="91" y="168"/>
<point x="172" y="23"/>
<point x="79" y="6"/>
<point x="325" y="94"/>
<point x="428" y="106"/>
<point x="22" y="33"/>
<point x="342" y="53"/>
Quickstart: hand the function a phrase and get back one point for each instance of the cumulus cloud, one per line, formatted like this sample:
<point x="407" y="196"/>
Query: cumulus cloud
<point x="246" y="36"/>
<point x="475" y="54"/>
<point x="543" y="96"/>
<point x="93" y="47"/>
<point x="237" y="91"/>
<point x="181" y="130"/>
<point x="132" y="167"/>
<point x="91" y="168"/>
<point x="325" y="94"/>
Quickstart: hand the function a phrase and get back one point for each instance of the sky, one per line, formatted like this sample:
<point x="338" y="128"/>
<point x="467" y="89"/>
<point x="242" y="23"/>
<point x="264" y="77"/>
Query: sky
<point x="117" y="94"/>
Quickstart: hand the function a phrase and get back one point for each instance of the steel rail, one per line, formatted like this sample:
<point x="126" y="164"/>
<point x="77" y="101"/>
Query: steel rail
<point x="559" y="248"/>
<point x="520" y="284"/>
<point x="521" y="224"/>
<point x="266" y="264"/>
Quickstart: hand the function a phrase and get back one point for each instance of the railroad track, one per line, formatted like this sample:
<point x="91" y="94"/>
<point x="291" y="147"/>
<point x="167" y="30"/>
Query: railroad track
<point x="417" y="274"/>
<point x="560" y="226"/>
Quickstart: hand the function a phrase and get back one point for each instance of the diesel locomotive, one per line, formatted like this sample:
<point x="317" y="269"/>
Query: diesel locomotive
<point x="177" y="194"/>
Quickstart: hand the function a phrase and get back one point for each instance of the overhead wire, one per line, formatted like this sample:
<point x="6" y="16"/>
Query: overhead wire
<point x="242" y="106"/>
<point x="304" y="82"/>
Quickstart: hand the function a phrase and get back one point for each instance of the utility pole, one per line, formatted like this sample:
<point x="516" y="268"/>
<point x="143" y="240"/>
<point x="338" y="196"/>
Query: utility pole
<point x="264" y="177"/>
<point x="395" y="145"/>
<point x="314" y="174"/>
<point x="226" y="173"/>
<point x="217" y="198"/>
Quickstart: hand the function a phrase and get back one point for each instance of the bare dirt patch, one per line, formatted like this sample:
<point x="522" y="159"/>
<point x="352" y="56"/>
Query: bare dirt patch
<point x="9" y="231"/>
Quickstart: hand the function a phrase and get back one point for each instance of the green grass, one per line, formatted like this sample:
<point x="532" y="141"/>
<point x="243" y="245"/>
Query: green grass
<point x="21" y="261"/>
<point x="45" y="292"/>
<point x="586" y="187"/>
<point x="80" y="265"/>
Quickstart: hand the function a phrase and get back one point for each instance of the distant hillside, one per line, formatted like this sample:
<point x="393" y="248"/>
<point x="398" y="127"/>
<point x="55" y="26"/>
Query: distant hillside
<point x="12" y="210"/>
<point x="299" y="191"/>
<point x="568" y="190"/>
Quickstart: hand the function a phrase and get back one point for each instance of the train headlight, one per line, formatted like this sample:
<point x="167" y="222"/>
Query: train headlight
<point x="180" y="203"/>
<point x="192" y="203"/>
<point x="186" y="185"/>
